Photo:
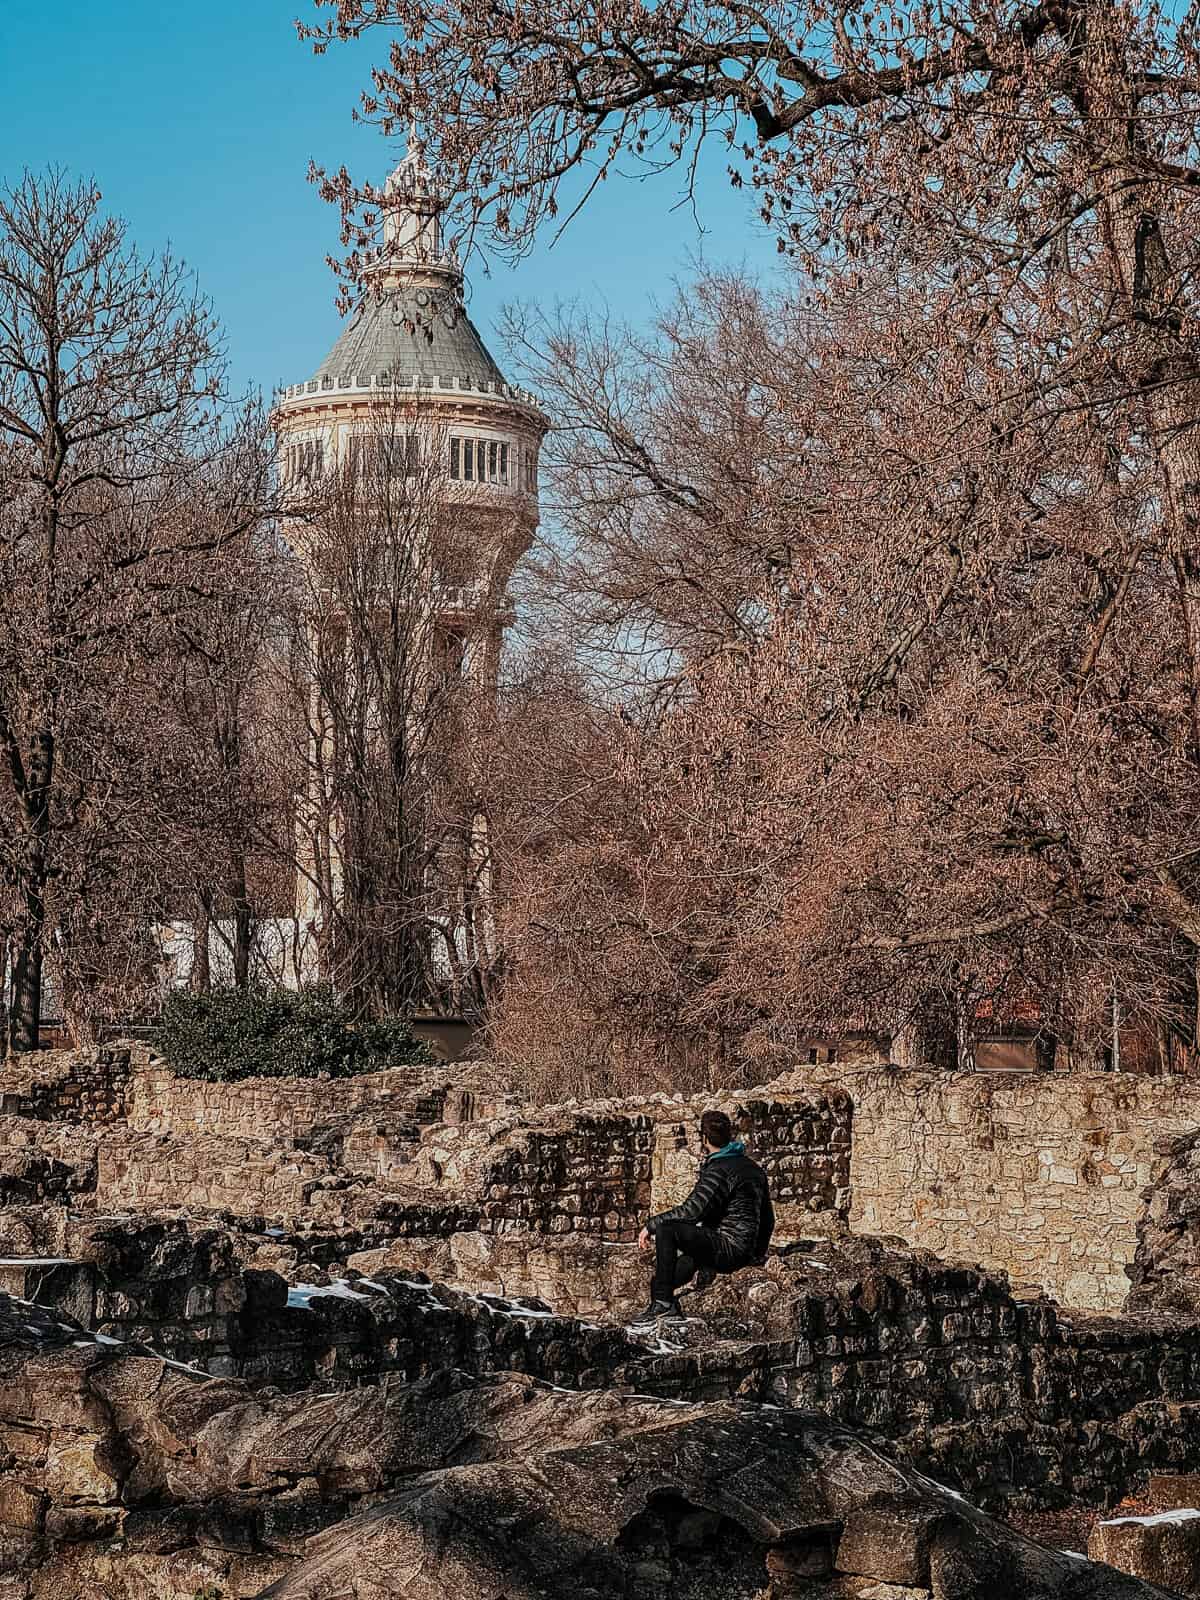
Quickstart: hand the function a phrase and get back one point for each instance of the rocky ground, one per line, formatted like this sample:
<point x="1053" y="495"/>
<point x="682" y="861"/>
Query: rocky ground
<point x="124" y="1477"/>
<point x="302" y="1340"/>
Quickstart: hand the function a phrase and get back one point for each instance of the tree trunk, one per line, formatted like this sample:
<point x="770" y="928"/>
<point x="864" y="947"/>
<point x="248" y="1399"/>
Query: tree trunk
<point x="5" y="953"/>
<point x="78" y="1020"/>
<point x="200" y="977"/>
<point x="26" y="1015"/>
<point x="243" y="923"/>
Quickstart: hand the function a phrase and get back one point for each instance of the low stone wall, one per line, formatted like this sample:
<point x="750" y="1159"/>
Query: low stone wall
<point x="578" y="1277"/>
<point x="1042" y="1176"/>
<point x="148" y="1172"/>
<point x="180" y="1291"/>
<point x="1039" y="1175"/>
<point x="803" y="1143"/>
<point x="125" y="1082"/>
<point x="593" y="1177"/>
<point x="42" y="1161"/>
<point x="600" y="1169"/>
<point x="280" y="1110"/>
<point x="1013" y="1401"/>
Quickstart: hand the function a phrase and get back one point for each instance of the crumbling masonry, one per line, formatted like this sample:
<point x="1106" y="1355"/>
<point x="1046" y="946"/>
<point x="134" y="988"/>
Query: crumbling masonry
<point x="329" y="1253"/>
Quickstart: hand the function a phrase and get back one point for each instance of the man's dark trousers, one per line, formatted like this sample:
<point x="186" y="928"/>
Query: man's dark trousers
<point x="679" y="1249"/>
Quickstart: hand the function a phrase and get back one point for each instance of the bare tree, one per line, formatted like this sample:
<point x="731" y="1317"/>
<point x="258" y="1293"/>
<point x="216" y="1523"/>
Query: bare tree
<point x="239" y="850"/>
<point x="979" y="674"/>
<point x="936" y="761"/>
<point x="109" y="381"/>
<point x="670" y="478"/>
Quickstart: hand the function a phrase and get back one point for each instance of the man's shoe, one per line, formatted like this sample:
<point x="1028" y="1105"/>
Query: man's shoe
<point x="658" y="1311"/>
<point x="705" y="1278"/>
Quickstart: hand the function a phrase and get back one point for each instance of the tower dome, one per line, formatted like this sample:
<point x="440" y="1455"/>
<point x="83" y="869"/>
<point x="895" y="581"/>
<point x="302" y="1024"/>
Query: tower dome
<point x="410" y="341"/>
<point x="411" y="327"/>
<point x="413" y="334"/>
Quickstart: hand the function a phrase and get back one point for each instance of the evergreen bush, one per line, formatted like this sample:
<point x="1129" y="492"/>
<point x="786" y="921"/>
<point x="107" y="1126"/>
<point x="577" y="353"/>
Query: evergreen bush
<point x="231" y="1034"/>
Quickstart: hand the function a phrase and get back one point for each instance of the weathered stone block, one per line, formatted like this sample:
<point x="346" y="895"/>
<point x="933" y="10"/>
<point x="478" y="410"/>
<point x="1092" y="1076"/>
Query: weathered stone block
<point x="805" y="1555"/>
<point x="21" y="1507"/>
<point x="76" y="1470"/>
<point x="1172" y="1490"/>
<point x="83" y="1524"/>
<point x="1163" y="1549"/>
<point x="890" y="1539"/>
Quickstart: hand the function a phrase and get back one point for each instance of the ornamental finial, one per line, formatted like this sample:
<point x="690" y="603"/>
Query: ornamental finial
<point x="413" y="208"/>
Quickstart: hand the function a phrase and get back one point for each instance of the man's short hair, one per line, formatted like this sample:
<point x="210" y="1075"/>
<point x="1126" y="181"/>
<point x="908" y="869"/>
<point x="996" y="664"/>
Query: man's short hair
<point x="716" y="1128"/>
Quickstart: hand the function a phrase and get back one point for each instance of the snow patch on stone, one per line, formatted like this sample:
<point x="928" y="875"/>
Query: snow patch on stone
<point x="303" y="1294"/>
<point x="37" y="1261"/>
<point x="1159" y="1520"/>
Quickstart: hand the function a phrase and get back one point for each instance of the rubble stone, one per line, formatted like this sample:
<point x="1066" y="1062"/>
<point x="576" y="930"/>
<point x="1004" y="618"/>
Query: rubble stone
<point x="398" y="1303"/>
<point x="891" y="1538"/>
<point x="1163" y="1549"/>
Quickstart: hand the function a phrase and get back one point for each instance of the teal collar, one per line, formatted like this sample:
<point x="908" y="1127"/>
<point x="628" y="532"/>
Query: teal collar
<point x="735" y="1147"/>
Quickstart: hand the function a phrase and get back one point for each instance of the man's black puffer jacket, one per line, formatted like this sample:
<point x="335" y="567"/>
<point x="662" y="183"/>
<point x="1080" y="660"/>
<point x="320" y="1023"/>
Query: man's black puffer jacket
<point x="731" y="1197"/>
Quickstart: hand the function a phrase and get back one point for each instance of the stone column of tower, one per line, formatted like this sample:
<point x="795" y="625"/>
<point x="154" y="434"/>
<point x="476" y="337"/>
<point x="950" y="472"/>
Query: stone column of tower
<point x="410" y="350"/>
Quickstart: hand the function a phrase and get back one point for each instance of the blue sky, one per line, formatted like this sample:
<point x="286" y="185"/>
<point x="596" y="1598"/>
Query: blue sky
<point x="199" y="123"/>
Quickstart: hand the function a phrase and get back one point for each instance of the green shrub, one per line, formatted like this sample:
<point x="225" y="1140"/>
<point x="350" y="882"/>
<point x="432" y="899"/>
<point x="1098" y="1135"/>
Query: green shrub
<point x="274" y="1033"/>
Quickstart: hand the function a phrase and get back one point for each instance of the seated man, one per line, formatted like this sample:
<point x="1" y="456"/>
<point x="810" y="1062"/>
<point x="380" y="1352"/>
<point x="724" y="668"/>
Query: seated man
<point x="725" y="1223"/>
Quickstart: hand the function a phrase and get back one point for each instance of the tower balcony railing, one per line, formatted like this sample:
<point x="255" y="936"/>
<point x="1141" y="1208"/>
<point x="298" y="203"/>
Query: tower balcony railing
<point x="351" y="382"/>
<point x="472" y="600"/>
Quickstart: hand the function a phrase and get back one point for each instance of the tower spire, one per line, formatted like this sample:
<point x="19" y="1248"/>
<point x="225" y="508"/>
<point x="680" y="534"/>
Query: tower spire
<point x="412" y="228"/>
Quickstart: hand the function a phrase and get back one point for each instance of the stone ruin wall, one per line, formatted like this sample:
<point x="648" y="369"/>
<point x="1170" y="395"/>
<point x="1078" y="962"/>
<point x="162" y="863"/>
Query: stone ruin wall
<point x="45" y="1161"/>
<point x="1008" y="1399"/>
<point x="391" y="1149"/>
<point x="592" y="1177"/>
<point x="273" y="1108"/>
<point x="152" y="1172"/>
<point x="89" y="1086"/>
<point x="803" y="1141"/>
<point x="126" y="1083"/>
<point x="599" y="1169"/>
<point x="1042" y="1177"/>
<point x="182" y="1291"/>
